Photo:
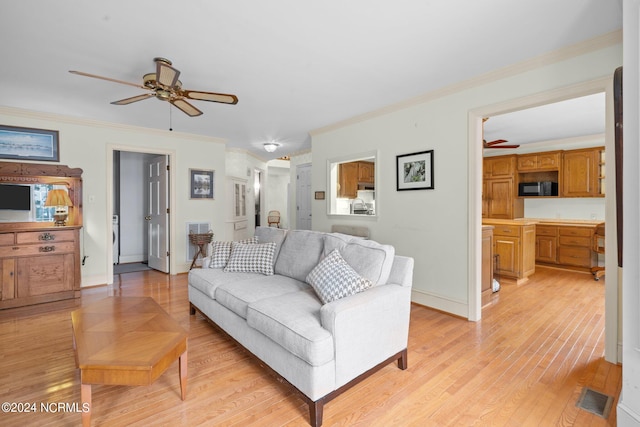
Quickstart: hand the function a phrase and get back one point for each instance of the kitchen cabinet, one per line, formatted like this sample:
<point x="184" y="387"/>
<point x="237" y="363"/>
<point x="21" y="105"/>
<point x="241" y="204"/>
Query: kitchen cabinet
<point x="39" y="266"/>
<point x="546" y="161"/>
<point x="583" y="173"/>
<point x="353" y="173"/>
<point x="546" y="243"/>
<point x="567" y="244"/>
<point x="499" y="166"/>
<point x="575" y="247"/>
<point x="499" y="189"/>
<point x="366" y="172"/>
<point x="487" y="264"/>
<point x="514" y="244"/>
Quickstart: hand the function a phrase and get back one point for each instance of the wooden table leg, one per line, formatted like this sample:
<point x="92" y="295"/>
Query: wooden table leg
<point x="183" y="374"/>
<point x="85" y="396"/>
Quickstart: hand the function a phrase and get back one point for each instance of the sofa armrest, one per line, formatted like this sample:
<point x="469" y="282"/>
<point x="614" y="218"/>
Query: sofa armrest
<point x="367" y="328"/>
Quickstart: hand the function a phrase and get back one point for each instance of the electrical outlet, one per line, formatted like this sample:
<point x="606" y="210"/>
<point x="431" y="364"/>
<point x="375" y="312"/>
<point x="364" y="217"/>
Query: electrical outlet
<point x="593" y="216"/>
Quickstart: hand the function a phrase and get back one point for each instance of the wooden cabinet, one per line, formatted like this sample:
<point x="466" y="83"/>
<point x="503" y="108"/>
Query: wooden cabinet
<point x="514" y="245"/>
<point x="39" y="265"/>
<point x="567" y="245"/>
<point x="366" y="172"/>
<point x="546" y="161"/>
<point x="575" y="247"/>
<point x="499" y="166"/>
<point x="499" y="189"/>
<point x="487" y="264"/>
<point x="546" y="243"/>
<point x="583" y="173"/>
<point x="351" y="174"/>
<point x="39" y="262"/>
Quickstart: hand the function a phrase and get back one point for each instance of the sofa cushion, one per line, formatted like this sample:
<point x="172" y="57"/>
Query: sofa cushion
<point x="220" y="252"/>
<point x="334" y="279"/>
<point x="293" y="321"/>
<point x="271" y="234"/>
<point x="370" y="259"/>
<point x="300" y="252"/>
<point x="237" y="295"/>
<point x="207" y="280"/>
<point x="251" y="258"/>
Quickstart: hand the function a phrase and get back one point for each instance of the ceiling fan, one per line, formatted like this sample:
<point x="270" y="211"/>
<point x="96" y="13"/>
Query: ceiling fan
<point x="165" y="86"/>
<point x="496" y="143"/>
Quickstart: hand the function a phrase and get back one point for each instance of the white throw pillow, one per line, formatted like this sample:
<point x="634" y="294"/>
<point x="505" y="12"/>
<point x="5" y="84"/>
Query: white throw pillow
<point x="333" y="279"/>
<point x="251" y="258"/>
<point x="220" y="252"/>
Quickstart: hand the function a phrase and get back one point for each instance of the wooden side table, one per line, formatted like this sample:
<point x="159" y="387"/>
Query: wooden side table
<point x="201" y="240"/>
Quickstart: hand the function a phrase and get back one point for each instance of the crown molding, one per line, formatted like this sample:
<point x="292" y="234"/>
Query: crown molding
<point x="588" y="46"/>
<point x="38" y="115"/>
<point x="572" y="143"/>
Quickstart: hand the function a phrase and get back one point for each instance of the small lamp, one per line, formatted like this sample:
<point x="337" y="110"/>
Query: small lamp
<point x="60" y="199"/>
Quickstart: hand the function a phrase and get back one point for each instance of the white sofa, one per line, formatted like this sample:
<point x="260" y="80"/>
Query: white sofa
<point x="321" y="349"/>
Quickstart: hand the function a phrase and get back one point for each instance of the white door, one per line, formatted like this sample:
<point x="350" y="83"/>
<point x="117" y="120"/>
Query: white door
<point x="157" y="216"/>
<point x="303" y="197"/>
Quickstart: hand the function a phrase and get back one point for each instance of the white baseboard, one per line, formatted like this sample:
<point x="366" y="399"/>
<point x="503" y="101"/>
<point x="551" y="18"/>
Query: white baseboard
<point x="457" y="308"/>
<point x="627" y="417"/>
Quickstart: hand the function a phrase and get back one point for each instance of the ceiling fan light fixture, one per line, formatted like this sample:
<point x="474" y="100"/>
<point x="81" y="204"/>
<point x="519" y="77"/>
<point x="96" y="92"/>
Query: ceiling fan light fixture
<point x="270" y="147"/>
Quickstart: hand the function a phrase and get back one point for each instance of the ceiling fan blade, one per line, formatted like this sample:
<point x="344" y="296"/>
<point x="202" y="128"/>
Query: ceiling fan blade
<point x="505" y="146"/>
<point x="210" y="96"/>
<point x="166" y="74"/>
<point x="187" y="108"/>
<point x="80" y="73"/>
<point x="496" y="142"/>
<point x="133" y="99"/>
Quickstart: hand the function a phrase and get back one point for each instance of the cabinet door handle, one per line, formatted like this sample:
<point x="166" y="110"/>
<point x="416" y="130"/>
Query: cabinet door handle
<point x="47" y="236"/>
<point x="47" y="248"/>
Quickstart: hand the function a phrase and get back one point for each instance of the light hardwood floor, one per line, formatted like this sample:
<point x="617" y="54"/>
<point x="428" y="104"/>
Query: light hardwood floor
<point x="524" y="364"/>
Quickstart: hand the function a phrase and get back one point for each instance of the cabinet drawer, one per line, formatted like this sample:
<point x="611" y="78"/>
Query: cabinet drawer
<point x="546" y="230"/>
<point x="507" y="230"/>
<point x="7" y="239"/>
<point x="575" y="231"/>
<point x="44" y="248"/>
<point x="575" y="241"/>
<point x="573" y="255"/>
<point x="45" y="236"/>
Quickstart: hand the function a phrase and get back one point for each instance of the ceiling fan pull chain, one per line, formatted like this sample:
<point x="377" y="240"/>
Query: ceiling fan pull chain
<point x="170" y="119"/>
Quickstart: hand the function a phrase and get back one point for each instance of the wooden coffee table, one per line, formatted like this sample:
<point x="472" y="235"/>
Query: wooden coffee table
<point x="125" y="341"/>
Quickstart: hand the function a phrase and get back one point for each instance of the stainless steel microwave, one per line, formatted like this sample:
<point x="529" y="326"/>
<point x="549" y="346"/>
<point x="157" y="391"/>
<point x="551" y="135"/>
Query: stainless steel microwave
<point x="542" y="188"/>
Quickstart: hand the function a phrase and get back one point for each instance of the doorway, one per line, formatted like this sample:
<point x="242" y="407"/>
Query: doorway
<point x="303" y="197"/>
<point x="257" y="188"/>
<point x="475" y="203"/>
<point x="139" y="199"/>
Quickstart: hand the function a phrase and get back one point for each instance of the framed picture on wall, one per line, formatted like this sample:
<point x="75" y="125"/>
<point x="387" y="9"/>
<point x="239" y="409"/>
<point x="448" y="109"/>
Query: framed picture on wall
<point x="29" y="144"/>
<point x="201" y="184"/>
<point x="414" y="171"/>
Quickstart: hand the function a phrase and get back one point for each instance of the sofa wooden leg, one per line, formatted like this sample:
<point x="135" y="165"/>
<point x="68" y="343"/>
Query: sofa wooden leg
<point x="402" y="360"/>
<point x="192" y="309"/>
<point x="315" y="413"/>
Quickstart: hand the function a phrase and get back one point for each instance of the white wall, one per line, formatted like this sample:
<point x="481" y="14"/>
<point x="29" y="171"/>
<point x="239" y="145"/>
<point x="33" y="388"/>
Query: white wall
<point x="89" y="145"/>
<point x="628" y="413"/>
<point x="433" y="225"/>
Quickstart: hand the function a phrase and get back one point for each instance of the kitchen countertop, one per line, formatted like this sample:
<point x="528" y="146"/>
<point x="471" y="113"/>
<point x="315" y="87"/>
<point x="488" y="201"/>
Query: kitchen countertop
<point x="543" y="221"/>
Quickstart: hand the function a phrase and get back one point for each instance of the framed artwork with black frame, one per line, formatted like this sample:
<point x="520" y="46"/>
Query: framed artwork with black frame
<point x="201" y="184"/>
<point x="29" y="144"/>
<point x="414" y="171"/>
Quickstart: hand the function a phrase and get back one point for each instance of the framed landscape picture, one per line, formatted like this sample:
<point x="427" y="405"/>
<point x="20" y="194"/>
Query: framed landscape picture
<point x="201" y="184"/>
<point x="29" y="144"/>
<point x="414" y="171"/>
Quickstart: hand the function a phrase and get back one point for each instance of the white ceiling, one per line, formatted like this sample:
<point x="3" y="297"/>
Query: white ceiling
<point x="295" y="65"/>
<point x="577" y="117"/>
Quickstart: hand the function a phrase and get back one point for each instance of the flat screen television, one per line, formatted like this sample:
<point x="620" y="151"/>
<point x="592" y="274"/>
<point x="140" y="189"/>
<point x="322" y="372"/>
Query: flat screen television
<point x="15" y="197"/>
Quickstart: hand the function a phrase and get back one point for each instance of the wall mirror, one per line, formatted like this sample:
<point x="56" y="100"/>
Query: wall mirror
<point x="23" y="193"/>
<point x="352" y="185"/>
